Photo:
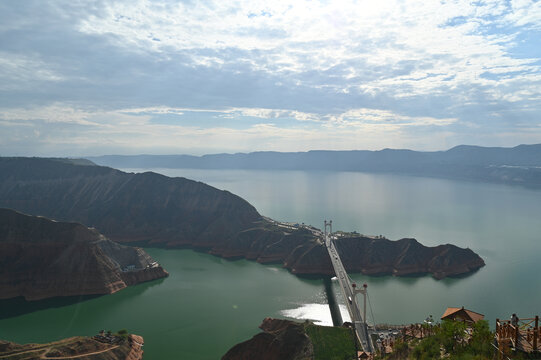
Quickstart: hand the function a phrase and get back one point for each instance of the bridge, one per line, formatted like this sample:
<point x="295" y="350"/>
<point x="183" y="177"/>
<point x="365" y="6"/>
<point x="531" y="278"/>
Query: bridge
<point x="349" y="290"/>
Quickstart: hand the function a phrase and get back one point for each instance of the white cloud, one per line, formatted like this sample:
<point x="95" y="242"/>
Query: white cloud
<point x="525" y="12"/>
<point x="349" y="117"/>
<point x="50" y="114"/>
<point x="258" y="75"/>
<point x="65" y="114"/>
<point x="359" y="117"/>
<point x="298" y="36"/>
<point x="17" y="71"/>
<point x="131" y="130"/>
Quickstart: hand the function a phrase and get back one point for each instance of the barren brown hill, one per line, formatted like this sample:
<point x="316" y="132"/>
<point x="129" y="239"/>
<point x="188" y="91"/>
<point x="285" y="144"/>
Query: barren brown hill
<point x="81" y="348"/>
<point x="41" y="258"/>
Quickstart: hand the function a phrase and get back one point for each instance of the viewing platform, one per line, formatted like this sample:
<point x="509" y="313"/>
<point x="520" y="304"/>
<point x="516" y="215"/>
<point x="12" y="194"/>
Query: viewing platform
<point x="521" y="335"/>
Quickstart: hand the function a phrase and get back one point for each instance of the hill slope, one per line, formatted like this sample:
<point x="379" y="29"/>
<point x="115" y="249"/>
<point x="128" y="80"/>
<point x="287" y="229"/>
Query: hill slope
<point x="124" y="207"/>
<point x="76" y="347"/>
<point x="41" y="258"/>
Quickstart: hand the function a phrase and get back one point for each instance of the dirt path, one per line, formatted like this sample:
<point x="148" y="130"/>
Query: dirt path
<point x="24" y="352"/>
<point x="36" y="349"/>
<point x="80" y="355"/>
<point x="46" y="348"/>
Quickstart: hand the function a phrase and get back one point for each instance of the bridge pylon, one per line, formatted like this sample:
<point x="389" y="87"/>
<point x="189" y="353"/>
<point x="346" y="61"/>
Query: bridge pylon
<point x="362" y="291"/>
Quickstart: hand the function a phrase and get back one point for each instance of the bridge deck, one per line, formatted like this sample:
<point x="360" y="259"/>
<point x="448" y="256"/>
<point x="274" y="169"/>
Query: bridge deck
<point x="349" y="296"/>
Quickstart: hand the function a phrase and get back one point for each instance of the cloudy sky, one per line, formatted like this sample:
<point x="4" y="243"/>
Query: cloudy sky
<point x="195" y="77"/>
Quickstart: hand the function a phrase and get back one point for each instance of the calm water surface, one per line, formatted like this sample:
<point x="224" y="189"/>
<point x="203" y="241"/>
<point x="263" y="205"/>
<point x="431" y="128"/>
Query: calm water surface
<point x="204" y="307"/>
<point x="208" y="304"/>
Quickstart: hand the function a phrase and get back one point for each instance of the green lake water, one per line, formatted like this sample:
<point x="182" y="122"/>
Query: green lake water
<point x="204" y="307"/>
<point x="209" y="304"/>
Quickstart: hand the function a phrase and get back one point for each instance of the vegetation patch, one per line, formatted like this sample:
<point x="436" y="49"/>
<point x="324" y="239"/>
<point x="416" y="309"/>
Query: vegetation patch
<point x="331" y="343"/>
<point x="452" y="340"/>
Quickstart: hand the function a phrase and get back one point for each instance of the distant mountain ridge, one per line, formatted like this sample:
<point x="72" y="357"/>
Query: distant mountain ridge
<point x="517" y="165"/>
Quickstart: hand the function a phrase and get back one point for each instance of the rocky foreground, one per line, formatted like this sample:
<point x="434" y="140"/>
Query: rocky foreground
<point x="155" y="210"/>
<point x="76" y="347"/>
<point x="280" y="339"/>
<point x="285" y="339"/>
<point x="41" y="258"/>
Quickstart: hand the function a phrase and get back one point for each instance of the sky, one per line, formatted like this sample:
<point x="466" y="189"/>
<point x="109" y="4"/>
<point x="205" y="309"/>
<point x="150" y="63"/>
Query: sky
<point x="195" y="77"/>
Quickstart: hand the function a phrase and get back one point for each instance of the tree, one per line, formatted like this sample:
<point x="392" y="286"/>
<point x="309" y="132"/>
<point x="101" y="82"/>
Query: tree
<point x="480" y="343"/>
<point x="428" y="348"/>
<point x="452" y="335"/>
<point x="122" y="333"/>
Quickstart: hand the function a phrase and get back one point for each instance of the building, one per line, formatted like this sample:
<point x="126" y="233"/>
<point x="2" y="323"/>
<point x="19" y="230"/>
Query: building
<point x="363" y="355"/>
<point x="461" y="314"/>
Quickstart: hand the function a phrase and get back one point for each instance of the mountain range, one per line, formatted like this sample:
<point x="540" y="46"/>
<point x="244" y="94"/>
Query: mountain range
<point x="517" y="165"/>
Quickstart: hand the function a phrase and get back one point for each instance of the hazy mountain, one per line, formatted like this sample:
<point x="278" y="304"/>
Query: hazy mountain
<point x="521" y="164"/>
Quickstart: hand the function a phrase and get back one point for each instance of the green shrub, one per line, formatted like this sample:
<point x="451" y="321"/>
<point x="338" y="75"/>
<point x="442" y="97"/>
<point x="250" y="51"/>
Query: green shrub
<point x="123" y="333"/>
<point x="455" y="341"/>
<point x="331" y="343"/>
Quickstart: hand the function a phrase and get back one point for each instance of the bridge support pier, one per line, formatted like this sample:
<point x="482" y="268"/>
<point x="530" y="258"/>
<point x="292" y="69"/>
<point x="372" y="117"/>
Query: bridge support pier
<point x="333" y="304"/>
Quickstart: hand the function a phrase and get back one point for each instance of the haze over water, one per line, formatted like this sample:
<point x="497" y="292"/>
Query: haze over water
<point x="208" y="304"/>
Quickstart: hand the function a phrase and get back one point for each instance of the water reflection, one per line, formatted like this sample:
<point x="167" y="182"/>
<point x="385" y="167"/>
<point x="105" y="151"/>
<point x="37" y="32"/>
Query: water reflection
<point x="19" y="306"/>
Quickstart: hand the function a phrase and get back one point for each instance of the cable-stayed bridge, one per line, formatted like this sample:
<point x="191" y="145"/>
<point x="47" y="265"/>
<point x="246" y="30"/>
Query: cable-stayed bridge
<point x="349" y="290"/>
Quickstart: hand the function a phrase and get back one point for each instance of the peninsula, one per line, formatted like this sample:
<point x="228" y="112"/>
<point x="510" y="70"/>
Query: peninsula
<point x="154" y="210"/>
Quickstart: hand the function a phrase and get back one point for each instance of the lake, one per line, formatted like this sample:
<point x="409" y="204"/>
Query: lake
<point x="208" y="304"/>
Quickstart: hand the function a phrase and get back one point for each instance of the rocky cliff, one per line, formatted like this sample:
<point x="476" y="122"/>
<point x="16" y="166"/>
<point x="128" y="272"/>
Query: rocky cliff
<point x="156" y="210"/>
<point x="280" y="339"/>
<point x="41" y="258"/>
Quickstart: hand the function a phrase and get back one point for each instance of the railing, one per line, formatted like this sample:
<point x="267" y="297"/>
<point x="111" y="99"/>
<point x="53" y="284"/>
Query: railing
<point x="525" y="335"/>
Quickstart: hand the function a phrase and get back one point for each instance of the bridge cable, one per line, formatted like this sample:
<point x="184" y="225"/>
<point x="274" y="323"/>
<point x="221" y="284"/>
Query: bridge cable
<point x="371" y="312"/>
